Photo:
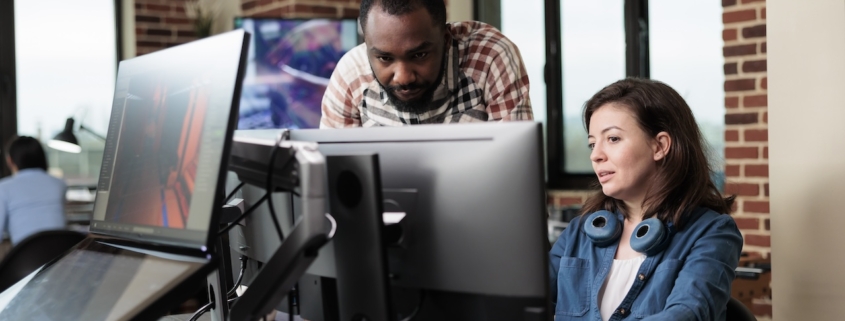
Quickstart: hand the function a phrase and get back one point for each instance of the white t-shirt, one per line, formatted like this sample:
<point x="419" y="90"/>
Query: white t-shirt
<point x="619" y="281"/>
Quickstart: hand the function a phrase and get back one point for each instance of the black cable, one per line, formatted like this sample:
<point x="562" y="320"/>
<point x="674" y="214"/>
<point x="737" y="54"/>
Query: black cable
<point x="290" y="305"/>
<point x="234" y="289"/>
<point x="269" y="185"/>
<point x="232" y="193"/>
<point x="241" y="217"/>
<point x="200" y="312"/>
<point x="417" y="309"/>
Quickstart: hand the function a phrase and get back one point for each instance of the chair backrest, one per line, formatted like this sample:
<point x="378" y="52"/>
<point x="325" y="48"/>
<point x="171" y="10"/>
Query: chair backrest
<point x="33" y="252"/>
<point x="738" y="311"/>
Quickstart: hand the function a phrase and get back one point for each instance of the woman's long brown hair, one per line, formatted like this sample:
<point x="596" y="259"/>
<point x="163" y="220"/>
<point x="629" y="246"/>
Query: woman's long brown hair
<point x="683" y="178"/>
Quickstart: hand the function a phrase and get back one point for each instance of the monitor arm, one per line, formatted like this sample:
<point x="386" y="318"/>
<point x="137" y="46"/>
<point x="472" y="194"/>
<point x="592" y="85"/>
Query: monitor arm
<point x="299" y="249"/>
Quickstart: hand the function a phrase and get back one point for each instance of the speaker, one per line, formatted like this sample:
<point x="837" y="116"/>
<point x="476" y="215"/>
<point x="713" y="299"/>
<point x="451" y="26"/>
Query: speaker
<point x="650" y="236"/>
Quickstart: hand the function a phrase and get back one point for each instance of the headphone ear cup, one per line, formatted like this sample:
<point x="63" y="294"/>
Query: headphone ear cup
<point x="603" y="228"/>
<point x="649" y="237"/>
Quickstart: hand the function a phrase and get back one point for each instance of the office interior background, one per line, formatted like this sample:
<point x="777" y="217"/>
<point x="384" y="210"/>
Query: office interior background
<point x="58" y="61"/>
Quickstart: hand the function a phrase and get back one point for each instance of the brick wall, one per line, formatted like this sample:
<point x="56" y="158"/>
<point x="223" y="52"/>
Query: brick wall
<point x="161" y="24"/>
<point x="746" y="126"/>
<point x="746" y="119"/>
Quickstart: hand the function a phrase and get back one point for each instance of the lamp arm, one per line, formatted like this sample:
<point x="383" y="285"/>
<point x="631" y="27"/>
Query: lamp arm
<point x="82" y="127"/>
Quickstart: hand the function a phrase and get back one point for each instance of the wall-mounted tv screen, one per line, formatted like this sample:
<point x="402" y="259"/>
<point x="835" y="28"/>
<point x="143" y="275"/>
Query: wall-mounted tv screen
<point x="289" y="65"/>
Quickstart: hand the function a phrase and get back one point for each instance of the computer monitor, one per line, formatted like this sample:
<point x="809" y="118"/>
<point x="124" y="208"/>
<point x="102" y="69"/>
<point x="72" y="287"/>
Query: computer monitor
<point x="159" y="192"/>
<point x="289" y="65"/>
<point x="474" y="235"/>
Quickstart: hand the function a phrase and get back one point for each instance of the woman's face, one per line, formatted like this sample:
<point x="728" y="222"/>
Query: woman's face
<point x="624" y="157"/>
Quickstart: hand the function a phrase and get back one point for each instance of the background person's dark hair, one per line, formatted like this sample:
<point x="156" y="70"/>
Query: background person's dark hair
<point x="435" y="8"/>
<point x="683" y="180"/>
<point x="26" y="152"/>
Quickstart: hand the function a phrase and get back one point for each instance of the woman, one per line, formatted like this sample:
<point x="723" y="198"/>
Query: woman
<point x="649" y="156"/>
<point x="31" y="200"/>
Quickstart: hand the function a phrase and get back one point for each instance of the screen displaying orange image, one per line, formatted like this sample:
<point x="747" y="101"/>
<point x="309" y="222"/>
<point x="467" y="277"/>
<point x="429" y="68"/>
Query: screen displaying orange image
<point x="158" y="150"/>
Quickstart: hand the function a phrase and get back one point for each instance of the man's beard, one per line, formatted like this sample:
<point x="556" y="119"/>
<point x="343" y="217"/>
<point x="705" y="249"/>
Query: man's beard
<point x="420" y="104"/>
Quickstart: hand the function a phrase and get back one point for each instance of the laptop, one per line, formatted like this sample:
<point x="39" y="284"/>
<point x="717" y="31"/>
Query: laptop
<point x="159" y="193"/>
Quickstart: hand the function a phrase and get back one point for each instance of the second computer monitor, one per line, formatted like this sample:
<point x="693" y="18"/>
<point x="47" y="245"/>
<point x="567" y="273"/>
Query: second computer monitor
<point x="474" y="202"/>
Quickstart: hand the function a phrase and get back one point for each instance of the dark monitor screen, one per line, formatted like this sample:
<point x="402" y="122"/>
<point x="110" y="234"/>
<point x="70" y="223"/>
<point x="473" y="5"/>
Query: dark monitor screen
<point x="289" y="65"/>
<point x="474" y="231"/>
<point x="170" y="129"/>
<point x="95" y="281"/>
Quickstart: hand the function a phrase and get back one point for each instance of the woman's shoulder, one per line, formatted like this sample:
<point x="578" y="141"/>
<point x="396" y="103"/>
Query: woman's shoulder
<point x="704" y="218"/>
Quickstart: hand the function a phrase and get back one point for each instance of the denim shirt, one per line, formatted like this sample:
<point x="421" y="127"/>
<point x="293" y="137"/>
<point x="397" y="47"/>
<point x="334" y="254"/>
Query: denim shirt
<point x="689" y="280"/>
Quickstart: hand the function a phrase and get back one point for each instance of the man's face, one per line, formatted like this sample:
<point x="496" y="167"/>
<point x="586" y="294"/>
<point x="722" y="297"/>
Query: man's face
<point x="406" y="54"/>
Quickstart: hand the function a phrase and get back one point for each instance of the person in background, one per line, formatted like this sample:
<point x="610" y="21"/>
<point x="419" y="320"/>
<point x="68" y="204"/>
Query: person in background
<point x="655" y="243"/>
<point x="31" y="200"/>
<point x="414" y="68"/>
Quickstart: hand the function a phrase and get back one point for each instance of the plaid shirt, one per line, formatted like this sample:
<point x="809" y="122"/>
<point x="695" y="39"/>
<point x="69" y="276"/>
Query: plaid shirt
<point x="485" y="80"/>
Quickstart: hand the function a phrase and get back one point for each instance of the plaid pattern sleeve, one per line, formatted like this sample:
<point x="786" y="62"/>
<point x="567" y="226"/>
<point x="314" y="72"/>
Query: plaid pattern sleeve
<point x="340" y="102"/>
<point x="496" y="64"/>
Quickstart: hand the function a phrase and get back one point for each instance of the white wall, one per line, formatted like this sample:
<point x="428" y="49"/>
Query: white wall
<point x="806" y="70"/>
<point x="459" y="10"/>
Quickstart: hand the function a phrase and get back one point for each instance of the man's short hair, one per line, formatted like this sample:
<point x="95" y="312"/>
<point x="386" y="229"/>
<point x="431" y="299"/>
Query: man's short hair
<point x="26" y="152"/>
<point x="435" y="8"/>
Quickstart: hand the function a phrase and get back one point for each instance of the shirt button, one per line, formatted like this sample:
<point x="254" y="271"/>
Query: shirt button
<point x="641" y="276"/>
<point x="622" y="311"/>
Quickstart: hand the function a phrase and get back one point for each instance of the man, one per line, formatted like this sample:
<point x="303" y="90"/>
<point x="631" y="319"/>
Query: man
<point x="31" y="200"/>
<point x="414" y="68"/>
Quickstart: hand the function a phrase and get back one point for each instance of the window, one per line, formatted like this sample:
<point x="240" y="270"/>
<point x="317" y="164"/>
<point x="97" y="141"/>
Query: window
<point x="66" y="56"/>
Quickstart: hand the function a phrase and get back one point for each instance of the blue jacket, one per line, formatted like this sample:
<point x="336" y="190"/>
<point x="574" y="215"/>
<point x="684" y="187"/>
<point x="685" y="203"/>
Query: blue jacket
<point x="689" y="280"/>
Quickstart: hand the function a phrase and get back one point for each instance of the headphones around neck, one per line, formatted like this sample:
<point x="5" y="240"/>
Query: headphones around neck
<point x="650" y="237"/>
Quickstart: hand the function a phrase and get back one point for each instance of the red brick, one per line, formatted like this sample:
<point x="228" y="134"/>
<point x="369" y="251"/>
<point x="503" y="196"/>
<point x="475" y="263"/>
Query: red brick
<point x="763" y="47"/>
<point x="177" y="21"/>
<point x="739" y="16"/>
<point x="729" y="34"/>
<point x="730" y="68"/>
<point x="754" y="66"/>
<point x="140" y="18"/>
<point x="184" y="33"/>
<point x="732" y="170"/>
<point x="158" y="7"/>
<point x="755" y="101"/>
<point x="159" y="32"/>
<point x="757" y="171"/>
<point x="766" y="117"/>
<point x="728" y="3"/>
<point x="766" y="193"/>
<point x="742" y="189"/>
<point x="761" y="308"/>
<point x="140" y="31"/>
<point x="741" y="152"/>
<point x="755" y="206"/>
<point x="319" y="10"/>
<point x="758" y="31"/>
<point x="741" y="119"/>
<point x="739" y="50"/>
<point x="766" y="223"/>
<point x="763" y="13"/>
<point x="248" y="4"/>
<point x="566" y="201"/>
<point x="756" y="135"/>
<point x="154" y="44"/>
<point x="350" y="13"/>
<point x="747" y="223"/>
<point x="740" y="84"/>
<point x="758" y="240"/>
<point x="731" y="135"/>
<point x="764" y="83"/>
<point x="766" y="152"/>
<point x="731" y="102"/>
<point x="750" y="1"/>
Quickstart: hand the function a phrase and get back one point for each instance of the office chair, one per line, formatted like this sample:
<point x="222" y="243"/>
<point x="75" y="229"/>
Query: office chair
<point x="33" y="252"/>
<point x="738" y="311"/>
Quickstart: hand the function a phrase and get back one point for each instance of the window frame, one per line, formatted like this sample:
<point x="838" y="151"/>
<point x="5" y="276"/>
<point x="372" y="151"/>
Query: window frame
<point x="636" y="65"/>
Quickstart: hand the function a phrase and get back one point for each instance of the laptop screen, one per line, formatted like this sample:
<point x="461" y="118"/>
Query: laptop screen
<point x="170" y="129"/>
